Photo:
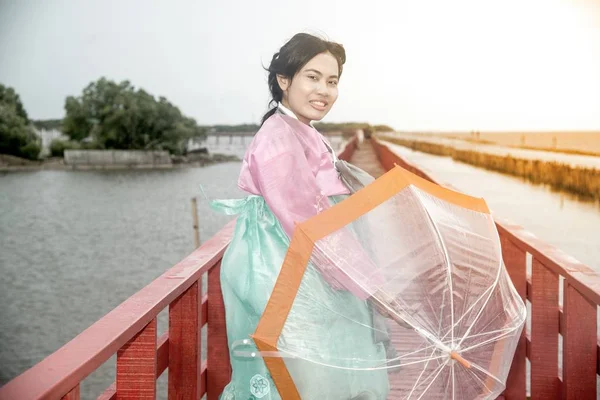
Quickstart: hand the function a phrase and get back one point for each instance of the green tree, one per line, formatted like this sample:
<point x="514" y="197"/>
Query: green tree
<point x="383" y="128"/>
<point x="9" y="97"/>
<point x="47" y="124"/>
<point x="17" y="137"/>
<point x="119" y="116"/>
<point x="236" y="128"/>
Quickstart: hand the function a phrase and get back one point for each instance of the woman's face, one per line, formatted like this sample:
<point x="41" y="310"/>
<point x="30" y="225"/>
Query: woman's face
<point x="313" y="90"/>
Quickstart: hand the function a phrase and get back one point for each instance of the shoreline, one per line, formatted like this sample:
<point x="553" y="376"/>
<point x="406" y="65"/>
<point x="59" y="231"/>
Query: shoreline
<point x="59" y="165"/>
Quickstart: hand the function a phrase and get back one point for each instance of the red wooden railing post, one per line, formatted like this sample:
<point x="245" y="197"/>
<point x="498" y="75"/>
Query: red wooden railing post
<point x="544" y="333"/>
<point x="185" y="344"/>
<point x="579" y="346"/>
<point x="219" y="367"/>
<point x="136" y="366"/>
<point x="515" y="261"/>
<point x="74" y="394"/>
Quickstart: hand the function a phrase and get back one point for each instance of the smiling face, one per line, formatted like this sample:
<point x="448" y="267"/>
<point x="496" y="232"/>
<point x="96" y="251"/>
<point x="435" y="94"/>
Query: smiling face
<point x="313" y="90"/>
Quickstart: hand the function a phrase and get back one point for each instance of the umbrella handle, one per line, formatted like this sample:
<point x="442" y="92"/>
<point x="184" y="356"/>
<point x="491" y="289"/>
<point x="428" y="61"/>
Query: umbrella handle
<point x="455" y="356"/>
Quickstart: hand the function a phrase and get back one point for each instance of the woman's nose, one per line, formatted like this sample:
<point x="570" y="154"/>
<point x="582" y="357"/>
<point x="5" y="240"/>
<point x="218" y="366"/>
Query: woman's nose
<point x="322" y="88"/>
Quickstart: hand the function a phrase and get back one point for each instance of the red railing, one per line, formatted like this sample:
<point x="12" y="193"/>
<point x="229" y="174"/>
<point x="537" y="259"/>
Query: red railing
<point x="349" y="148"/>
<point x="130" y="331"/>
<point x="563" y="295"/>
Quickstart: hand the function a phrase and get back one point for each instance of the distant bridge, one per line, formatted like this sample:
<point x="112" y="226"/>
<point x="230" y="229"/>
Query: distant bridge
<point x="227" y="137"/>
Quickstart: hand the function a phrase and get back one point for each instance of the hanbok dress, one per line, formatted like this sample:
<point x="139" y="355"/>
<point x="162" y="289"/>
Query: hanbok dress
<point x="288" y="172"/>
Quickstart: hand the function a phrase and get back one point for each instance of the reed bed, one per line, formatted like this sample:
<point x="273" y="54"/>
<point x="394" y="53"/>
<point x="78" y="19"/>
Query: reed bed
<point x="584" y="182"/>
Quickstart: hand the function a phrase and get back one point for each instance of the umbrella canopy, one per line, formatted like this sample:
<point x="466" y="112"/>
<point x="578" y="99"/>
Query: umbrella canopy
<point x="397" y="292"/>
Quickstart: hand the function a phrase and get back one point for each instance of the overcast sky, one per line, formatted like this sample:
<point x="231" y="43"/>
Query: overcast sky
<point x="440" y="65"/>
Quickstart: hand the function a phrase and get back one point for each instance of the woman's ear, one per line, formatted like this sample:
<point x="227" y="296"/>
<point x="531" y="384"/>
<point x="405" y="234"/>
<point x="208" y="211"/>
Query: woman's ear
<point x="283" y="81"/>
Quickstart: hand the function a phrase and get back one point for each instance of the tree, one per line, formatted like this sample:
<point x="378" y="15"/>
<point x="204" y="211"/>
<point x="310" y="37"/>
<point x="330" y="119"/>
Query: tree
<point x="17" y="138"/>
<point x="343" y="126"/>
<point x="118" y="116"/>
<point x="9" y="97"/>
<point x="236" y="128"/>
<point x="383" y="128"/>
<point x="48" y="124"/>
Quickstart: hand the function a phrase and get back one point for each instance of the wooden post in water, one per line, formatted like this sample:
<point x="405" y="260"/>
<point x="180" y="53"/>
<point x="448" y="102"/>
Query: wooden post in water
<point x="196" y="225"/>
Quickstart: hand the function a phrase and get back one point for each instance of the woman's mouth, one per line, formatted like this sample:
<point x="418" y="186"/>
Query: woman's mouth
<point x="318" y="105"/>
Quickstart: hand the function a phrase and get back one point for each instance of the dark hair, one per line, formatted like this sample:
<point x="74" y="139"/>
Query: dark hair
<point x="294" y="55"/>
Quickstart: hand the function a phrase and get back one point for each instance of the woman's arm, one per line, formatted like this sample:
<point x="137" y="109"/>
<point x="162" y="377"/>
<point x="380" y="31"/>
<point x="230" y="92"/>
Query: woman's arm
<point x="286" y="181"/>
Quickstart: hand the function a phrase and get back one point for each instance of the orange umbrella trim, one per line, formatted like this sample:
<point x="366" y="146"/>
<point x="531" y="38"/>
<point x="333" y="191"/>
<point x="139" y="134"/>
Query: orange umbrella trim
<point x="298" y="255"/>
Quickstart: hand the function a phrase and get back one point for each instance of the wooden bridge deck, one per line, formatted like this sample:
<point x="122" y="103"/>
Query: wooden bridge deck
<point x="365" y="157"/>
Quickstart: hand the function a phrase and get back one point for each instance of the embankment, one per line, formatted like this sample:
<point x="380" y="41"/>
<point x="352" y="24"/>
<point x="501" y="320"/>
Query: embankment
<point x="584" y="182"/>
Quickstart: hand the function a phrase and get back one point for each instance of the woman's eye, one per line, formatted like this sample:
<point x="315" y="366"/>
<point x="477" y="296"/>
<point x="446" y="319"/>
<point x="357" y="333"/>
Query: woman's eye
<point x="334" y="83"/>
<point x="312" y="77"/>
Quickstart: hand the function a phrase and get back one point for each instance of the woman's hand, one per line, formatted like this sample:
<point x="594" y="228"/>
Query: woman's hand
<point x="384" y="305"/>
<point x="376" y="304"/>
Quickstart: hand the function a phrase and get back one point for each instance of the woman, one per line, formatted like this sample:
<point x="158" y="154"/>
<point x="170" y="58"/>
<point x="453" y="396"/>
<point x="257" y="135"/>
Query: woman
<point x="288" y="170"/>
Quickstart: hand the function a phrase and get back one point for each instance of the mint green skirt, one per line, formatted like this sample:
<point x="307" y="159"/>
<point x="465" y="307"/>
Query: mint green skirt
<point x="328" y="336"/>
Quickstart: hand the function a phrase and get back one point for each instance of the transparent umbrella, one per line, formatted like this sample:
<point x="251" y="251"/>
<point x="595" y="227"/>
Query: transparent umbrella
<point x="397" y="292"/>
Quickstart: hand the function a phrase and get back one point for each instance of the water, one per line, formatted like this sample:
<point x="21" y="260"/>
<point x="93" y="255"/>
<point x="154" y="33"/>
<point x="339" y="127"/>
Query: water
<point x="75" y="244"/>
<point x="573" y="160"/>
<point x="559" y="219"/>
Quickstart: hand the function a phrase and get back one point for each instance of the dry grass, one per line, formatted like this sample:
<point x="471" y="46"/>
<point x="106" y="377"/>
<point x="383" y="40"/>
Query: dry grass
<point x="582" y="143"/>
<point x="584" y="182"/>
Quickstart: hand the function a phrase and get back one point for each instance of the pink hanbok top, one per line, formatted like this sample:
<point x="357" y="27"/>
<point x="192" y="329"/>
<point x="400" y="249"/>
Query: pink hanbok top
<point x="289" y="164"/>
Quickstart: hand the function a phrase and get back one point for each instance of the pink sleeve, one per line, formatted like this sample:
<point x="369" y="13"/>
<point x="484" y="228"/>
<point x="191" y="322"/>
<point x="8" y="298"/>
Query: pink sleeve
<point x="284" y="177"/>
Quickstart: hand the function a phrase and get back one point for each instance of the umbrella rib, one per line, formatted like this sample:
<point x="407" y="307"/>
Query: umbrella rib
<point x="488" y="373"/>
<point x="280" y="354"/>
<point x="483" y="306"/>
<point x="307" y="296"/>
<point x="500" y="268"/>
<point x="439" y="330"/>
<point x="466" y="295"/>
<point x="431" y="306"/>
<point x="431" y="346"/>
<point x="448" y="265"/>
<point x="506" y="333"/>
<point x="439" y="371"/>
<point x="497" y="330"/>
<point x="453" y="388"/>
<point x="406" y="308"/>
<point x="472" y="306"/>
<point x="485" y="326"/>
<point x="411" y="362"/>
<point x="523" y="316"/>
<point x="421" y="374"/>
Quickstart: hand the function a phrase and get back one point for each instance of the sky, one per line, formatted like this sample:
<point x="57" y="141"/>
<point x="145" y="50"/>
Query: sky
<point x="457" y="65"/>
